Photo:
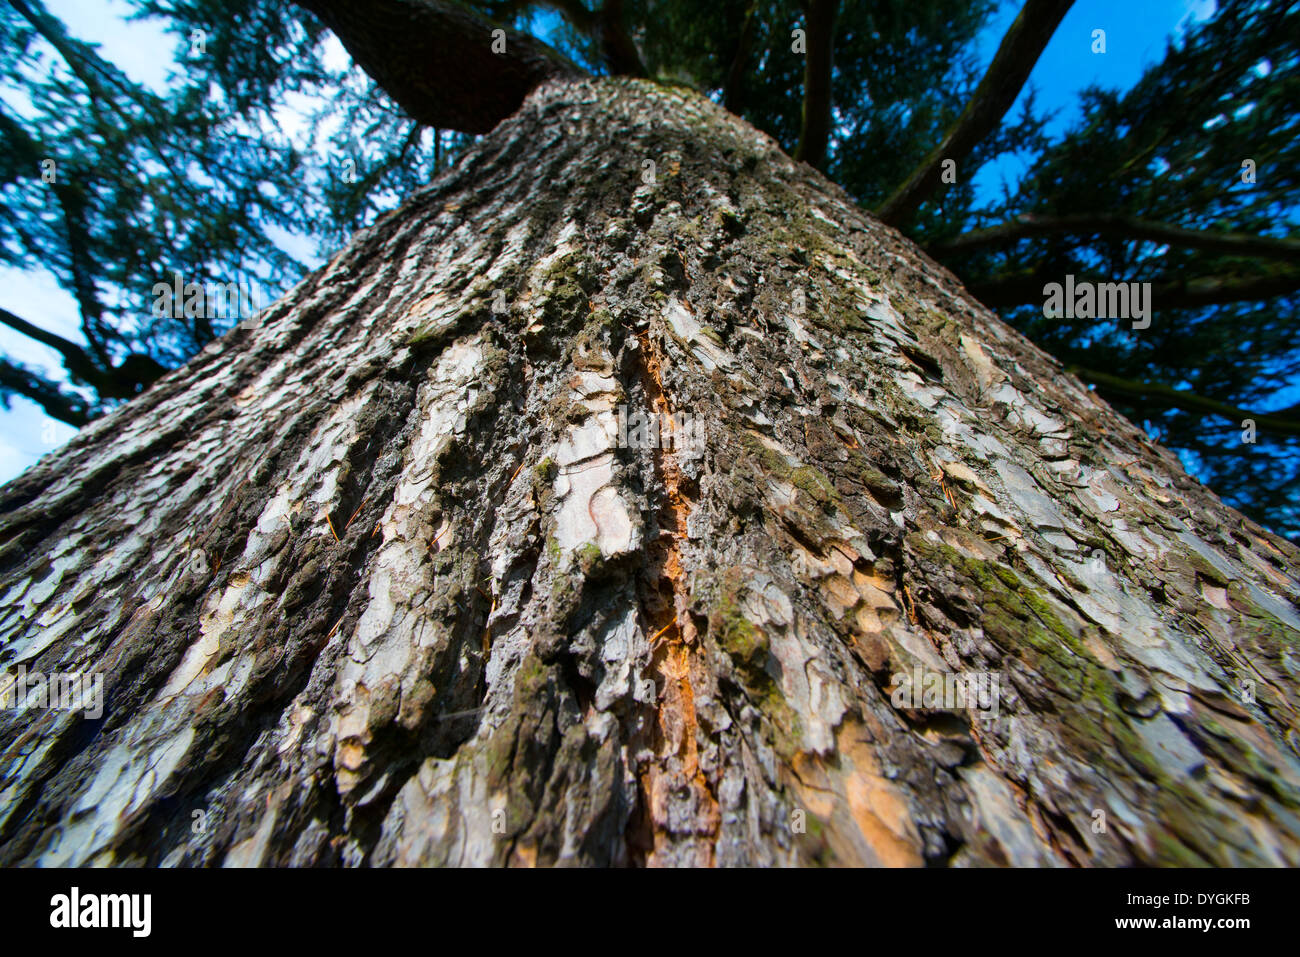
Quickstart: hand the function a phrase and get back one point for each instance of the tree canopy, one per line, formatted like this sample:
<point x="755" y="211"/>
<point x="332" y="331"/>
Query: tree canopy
<point x="1187" y="181"/>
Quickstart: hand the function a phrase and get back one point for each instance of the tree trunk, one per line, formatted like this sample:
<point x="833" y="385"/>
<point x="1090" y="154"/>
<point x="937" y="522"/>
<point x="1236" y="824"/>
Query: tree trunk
<point x="373" y="580"/>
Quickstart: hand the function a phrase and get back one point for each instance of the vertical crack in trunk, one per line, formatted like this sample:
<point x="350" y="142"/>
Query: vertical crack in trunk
<point x="678" y="820"/>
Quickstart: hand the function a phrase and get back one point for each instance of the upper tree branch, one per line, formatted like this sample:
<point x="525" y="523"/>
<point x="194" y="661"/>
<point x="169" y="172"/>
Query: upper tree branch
<point x="620" y="53"/>
<point x="123" y="381"/>
<point x="815" y="128"/>
<point x="76" y="359"/>
<point x="994" y="96"/>
<point x="64" y="406"/>
<point x="733" y="88"/>
<point x="605" y="25"/>
<point x="82" y="268"/>
<point x="1121" y="227"/>
<point x="1187" y="401"/>
<point x="435" y="59"/>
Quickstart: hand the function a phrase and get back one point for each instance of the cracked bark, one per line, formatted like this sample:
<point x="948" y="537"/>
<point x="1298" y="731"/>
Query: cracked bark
<point x="371" y="581"/>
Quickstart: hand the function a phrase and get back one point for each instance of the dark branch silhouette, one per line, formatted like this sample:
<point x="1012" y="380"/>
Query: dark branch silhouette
<point x="815" y="129"/>
<point x="444" y="73"/>
<point x="994" y="96"/>
<point x="1120" y="227"/>
<point x="1284" y="423"/>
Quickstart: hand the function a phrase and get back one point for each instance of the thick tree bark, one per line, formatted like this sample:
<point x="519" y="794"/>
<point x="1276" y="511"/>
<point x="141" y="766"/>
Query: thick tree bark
<point x="371" y="580"/>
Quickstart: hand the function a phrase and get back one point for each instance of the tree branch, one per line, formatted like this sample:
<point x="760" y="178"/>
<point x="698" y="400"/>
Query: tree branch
<point x="1165" y="293"/>
<point x="1121" y="227"/>
<point x="605" y="26"/>
<point x="1186" y="401"/>
<point x="579" y="15"/>
<point x="81" y="265"/>
<point x="135" y="373"/>
<point x="75" y="359"/>
<point x="995" y="95"/>
<point x="621" y="57"/>
<point x="733" y="88"/>
<point x="815" y="128"/>
<point x="64" y="406"/>
<point x="435" y="59"/>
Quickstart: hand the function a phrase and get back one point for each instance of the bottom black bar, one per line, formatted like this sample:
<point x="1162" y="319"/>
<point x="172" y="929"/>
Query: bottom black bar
<point x="269" y="907"/>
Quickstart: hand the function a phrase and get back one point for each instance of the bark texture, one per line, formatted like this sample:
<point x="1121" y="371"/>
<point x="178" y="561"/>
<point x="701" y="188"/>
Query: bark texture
<point x="372" y="582"/>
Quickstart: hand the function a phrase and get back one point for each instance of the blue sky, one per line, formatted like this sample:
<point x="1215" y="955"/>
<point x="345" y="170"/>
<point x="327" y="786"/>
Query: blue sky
<point x="1137" y="32"/>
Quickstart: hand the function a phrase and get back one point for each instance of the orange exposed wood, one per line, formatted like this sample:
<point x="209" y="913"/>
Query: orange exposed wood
<point x="675" y="657"/>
